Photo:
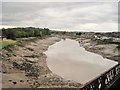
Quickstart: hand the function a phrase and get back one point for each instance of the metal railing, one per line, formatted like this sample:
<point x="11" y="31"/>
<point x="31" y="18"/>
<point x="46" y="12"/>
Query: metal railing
<point x="104" y="81"/>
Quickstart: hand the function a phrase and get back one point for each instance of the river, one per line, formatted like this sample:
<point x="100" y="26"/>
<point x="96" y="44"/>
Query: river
<point x="69" y="60"/>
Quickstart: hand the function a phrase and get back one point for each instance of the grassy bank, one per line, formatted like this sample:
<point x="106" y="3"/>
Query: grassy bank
<point x="6" y="43"/>
<point x="25" y="39"/>
<point x="9" y="42"/>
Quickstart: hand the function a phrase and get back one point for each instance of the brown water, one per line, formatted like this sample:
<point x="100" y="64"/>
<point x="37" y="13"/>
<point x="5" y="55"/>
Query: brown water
<point x="72" y="62"/>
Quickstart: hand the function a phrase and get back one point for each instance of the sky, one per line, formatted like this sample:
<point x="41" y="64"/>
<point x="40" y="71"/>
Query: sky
<point x="63" y="16"/>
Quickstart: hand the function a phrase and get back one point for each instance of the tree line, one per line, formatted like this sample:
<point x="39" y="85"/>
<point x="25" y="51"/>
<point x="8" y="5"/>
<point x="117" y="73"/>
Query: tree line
<point x="13" y="33"/>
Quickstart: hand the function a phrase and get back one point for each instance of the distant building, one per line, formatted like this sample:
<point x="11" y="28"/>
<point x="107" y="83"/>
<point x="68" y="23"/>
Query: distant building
<point x="104" y="37"/>
<point x="2" y="38"/>
<point x="116" y="40"/>
<point x="97" y="37"/>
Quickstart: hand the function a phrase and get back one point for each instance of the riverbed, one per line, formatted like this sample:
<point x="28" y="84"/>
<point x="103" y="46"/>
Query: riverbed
<point x="31" y="53"/>
<point x="68" y="59"/>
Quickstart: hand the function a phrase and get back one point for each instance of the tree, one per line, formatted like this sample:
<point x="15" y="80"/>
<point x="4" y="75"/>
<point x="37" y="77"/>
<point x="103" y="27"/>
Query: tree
<point x="13" y="33"/>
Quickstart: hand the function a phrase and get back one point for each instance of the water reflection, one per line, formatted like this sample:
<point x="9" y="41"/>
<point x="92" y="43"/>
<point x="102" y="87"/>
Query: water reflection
<point x="67" y="59"/>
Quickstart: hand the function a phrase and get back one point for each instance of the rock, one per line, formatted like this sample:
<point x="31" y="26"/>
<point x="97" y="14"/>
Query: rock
<point x="21" y="81"/>
<point x="4" y="72"/>
<point x="31" y="49"/>
<point x="16" y="65"/>
<point x="32" y="60"/>
<point x="14" y="82"/>
<point x="10" y="80"/>
<point x="26" y="66"/>
<point x="45" y="76"/>
<point x="33" y="71"/>
<point x="31" y="56"/>
<point x="27" y="80"/>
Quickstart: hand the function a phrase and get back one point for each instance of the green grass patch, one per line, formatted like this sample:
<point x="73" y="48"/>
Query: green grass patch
<point x="25" y="39"/>
<point x="6" y="43"/>
<point x="9" y="42"/>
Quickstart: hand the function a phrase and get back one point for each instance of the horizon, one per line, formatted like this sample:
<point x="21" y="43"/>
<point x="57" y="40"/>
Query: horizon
<point x="6" y="27"/>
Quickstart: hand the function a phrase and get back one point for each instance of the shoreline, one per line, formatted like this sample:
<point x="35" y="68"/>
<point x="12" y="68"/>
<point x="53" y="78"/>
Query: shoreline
<point x="24" y="66"/>
<point x="108" y="51"/>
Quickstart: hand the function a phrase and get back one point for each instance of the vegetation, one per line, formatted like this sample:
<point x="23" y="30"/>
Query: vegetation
<point x="25" y="39"/>
<point x="118" y="46"/>
<point x="6" y="43"/>
<point x="110" y="34"/>
<point x="78" y="33"/>
<point x="14" y="33"/>
<point x="113" y="34"/>
<point x="105" y="41"/>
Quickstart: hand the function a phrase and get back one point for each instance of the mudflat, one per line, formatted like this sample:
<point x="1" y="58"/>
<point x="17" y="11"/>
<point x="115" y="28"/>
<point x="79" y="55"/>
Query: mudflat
<point x="24" y="66"/>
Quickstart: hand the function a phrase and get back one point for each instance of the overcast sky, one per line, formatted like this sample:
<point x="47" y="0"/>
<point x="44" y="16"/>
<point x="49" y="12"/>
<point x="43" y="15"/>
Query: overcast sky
<point x="79" y="16"/>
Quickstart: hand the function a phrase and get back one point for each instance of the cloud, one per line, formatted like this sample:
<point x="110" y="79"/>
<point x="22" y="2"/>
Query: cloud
<point x="60" y="1"/>
<point x="62" y="15"/>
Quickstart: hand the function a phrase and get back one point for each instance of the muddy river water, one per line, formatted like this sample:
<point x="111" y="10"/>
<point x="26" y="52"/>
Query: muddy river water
<point x="69" y="60"/>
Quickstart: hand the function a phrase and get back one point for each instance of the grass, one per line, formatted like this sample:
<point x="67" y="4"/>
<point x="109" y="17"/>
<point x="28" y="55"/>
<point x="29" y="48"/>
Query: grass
<point x="6" y="43"/>
<point x="25" y="39"/>
<point x="9" y="42"/>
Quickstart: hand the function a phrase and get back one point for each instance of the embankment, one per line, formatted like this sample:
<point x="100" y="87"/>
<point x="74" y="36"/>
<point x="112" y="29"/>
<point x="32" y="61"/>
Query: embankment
<point x="24" y="66"/>
<point x="109" y="51"/>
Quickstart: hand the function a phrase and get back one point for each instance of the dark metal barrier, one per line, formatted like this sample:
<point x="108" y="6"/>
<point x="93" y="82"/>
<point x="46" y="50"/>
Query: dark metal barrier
<point x="104" y="81"/>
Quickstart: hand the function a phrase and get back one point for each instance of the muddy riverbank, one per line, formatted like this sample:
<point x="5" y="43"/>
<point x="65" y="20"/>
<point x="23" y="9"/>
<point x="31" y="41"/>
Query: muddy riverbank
<point x="109" y="51"/>
<point x="24" y="66"/>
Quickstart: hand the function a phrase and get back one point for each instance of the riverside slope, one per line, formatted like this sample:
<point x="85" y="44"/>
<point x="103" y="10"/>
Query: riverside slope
<point x="24" y="66"/>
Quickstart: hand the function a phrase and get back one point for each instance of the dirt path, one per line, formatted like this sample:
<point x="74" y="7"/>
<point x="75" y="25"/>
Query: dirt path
<point x="24" y="66"/>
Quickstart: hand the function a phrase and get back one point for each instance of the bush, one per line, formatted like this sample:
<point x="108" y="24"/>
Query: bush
<point x="118" y="46"/>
